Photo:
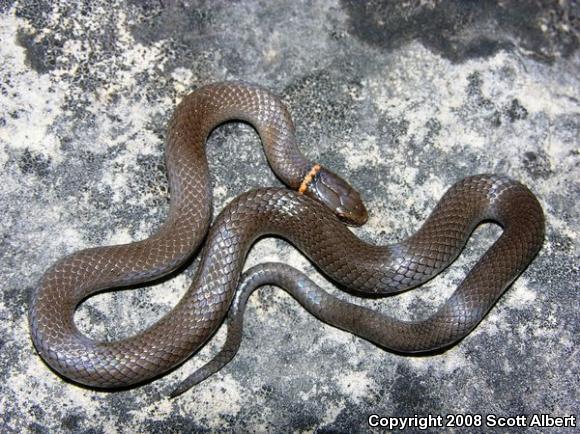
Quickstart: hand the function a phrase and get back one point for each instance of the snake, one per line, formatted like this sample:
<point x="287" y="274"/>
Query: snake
<point x="312" y="213"/>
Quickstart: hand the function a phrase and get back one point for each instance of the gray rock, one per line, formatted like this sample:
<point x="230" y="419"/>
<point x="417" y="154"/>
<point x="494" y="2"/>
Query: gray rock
<point x="403" y="99"/>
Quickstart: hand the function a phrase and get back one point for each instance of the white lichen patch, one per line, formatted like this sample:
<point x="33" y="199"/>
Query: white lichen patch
<point x="355" y="384"/>
<point x="521" y="295"/>
<point x="369" y="153"/>
<point x="31" y="102"/>
<point x="216" y="400"/>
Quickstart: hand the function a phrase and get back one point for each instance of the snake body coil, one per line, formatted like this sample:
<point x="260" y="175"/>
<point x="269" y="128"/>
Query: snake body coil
<point x="297" y="217"/>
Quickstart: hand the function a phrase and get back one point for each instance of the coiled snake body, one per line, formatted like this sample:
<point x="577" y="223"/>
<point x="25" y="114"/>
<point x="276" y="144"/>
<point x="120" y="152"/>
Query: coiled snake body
<point x="303" y="218"/>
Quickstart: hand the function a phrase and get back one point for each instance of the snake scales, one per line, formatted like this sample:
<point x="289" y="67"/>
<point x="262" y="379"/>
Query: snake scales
<point x="310" y="219"/>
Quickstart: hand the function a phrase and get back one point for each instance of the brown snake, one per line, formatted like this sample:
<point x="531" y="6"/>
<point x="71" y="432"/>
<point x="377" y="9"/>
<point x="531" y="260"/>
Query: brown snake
<point x="304" y="219"/>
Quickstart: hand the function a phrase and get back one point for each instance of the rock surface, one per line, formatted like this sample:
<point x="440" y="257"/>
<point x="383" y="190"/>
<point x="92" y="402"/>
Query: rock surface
<point x="403" y="99"/>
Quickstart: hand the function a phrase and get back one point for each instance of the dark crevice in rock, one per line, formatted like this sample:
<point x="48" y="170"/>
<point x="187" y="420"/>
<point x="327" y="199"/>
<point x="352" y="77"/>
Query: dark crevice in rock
<point x="460" y="30"/>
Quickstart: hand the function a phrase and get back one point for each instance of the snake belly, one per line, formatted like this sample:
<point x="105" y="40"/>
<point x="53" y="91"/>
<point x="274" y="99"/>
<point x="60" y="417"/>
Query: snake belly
<point x="304" y="222"/>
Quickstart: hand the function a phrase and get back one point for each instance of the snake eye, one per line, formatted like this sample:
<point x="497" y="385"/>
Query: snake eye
<point x="343" y="214"/>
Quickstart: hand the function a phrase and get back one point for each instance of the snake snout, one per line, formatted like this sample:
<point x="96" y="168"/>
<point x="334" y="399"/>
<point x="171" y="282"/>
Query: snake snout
<point x="353" y="210"/>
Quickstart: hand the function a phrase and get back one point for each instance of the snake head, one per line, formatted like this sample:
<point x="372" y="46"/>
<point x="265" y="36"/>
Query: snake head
<point x="337" y="194"/>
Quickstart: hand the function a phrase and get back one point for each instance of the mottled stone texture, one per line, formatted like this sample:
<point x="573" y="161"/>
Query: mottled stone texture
<point x="402" y="98"/>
